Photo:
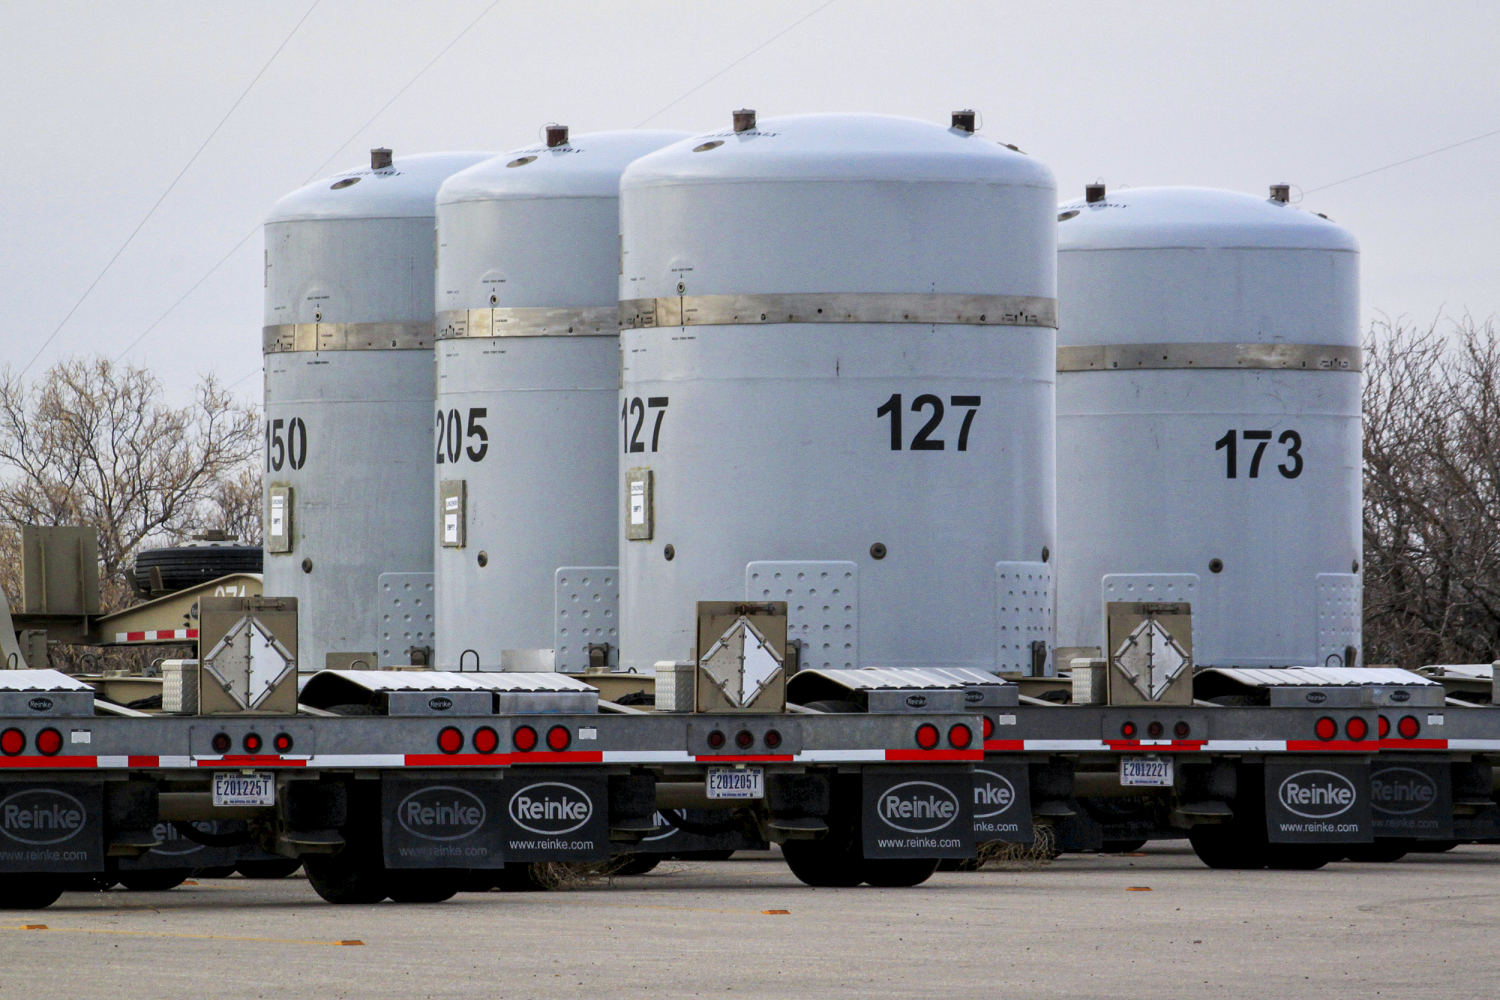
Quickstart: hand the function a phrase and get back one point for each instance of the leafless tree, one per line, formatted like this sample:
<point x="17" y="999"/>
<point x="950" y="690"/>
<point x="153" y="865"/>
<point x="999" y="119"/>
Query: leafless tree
<point x="92" y="443"/>
<point x="1432" y="494"/>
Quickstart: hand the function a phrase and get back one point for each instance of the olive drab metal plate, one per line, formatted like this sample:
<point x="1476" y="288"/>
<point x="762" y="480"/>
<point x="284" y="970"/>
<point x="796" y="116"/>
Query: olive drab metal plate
<point x="743" y="649"/>
<point x="1150" y="652"/>
<point x="248" y="655"/>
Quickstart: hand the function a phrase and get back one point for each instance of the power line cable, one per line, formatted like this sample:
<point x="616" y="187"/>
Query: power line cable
<point x="1402" y="163"/>
<point x="316" y="173"/>
<point x="672" y="104"/>
<point x="170" y="187"/>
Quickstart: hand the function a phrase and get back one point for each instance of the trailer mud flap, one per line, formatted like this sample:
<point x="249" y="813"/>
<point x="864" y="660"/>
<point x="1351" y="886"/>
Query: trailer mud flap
<point x="177" y="851"/>
<point x="1318" y="802"/>
<point x="556" y="816"/>
<point x="917" y="813"/>
<point x="1002" y="803"/>
<point x="1412" y="799"/>
<point x="55" y="826"/>
<point x="442" y="823"/>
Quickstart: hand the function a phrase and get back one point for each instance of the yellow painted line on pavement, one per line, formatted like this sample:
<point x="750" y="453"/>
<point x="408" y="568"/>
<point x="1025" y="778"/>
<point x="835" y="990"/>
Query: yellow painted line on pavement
<point x="176" y="935"/>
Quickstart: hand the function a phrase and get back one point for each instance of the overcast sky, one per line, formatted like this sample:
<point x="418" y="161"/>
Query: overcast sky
<point x="105" y="103"/>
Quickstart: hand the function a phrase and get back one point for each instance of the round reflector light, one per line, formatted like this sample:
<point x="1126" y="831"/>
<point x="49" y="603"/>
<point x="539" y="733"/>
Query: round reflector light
<point x="716" y="739"/>
<point x="524" y="739"/>
<point x="49" y="741"/>
<point x="1326" y="728"/>
<point x="220" y="743"/>
<point x="1182" y="730"/>
<point x="12" y="742"/>
<point x="960" y="736"/>
<point x="1408" y="727"/>
<point x="1384" y="727"/>
<point x="989" y="727"/>
<point x="252" y="743"/>
<point x="450" y="740"/>
<point x="773" y="738"/>
<point x="744" y="739"/>
<point x="283" y="743"/>
<point x="1357" y="728"/>
<point x="1154" y="730"/>
<point x="486" y="740"/>
<point x="927" y="736"/>
<point x="1128" y="730"/>
<point x="558" y="738"/>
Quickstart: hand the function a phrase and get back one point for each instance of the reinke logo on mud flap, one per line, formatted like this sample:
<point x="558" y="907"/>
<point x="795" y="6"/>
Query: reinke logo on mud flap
<point x="551" y="808"/>
<point x="918" y="807"/>
<point x="993" y="794"/>
<point x="441" y="812"/>
<point x="1317" y="794"/>
<point x="1401" y="791"/>
<point x="40" y="816"/>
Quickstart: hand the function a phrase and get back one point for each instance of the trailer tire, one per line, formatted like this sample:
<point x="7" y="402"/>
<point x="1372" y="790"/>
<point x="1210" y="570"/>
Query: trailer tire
<point x="1225" y="847"/>
<point x="635" y="864"/>
<point x="519" y="877"/>
<point x="29" y="892"/>
<point x="1433" y="846"/>
<point x="350" y="876"/>
<point x="1122" y="846"/>
<point x="823" y="864"/>
<point x="189" y="565"/>
<point x="897" y="873"/>
<point x="267" y="867"/>
<point x="214" y="871"/>
<point x="1380" y="852"/>
<point x="425" y="885"/>
<point x="154" y="879"/>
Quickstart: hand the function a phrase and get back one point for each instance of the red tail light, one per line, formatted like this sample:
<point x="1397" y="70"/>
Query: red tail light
<point x="252" y="743"/>
<point x="486" y="740"/>
<point x="1326" y="728"/>
<point x="1357" y="729"/>
<point x="1154" y="730"/>
<point x="773" y="739"/>
<point x="558" y="738"/>
<point x="928" y="736"/>
<point x="1182" y="730"/>
<point x="524" y="739"/>
<point x="48" y="742"/>
<point x="960" y="736"/>
<point x="283" y="743"/>
<point x="744" y="739"/>
<point x="716" y="739"/>
<point x="1384" y="727"/>
<point x="450" y="740"/>
<point x="989" y="727"/>
<point x="1408" y="727"/>
<point x="12" y="742"/>
<point x="1128" y="730"/>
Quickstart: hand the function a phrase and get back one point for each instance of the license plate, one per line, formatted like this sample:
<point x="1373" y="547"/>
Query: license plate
<point x="257" y="788"/>
<point x="736" y="782"/>
<point x="1146" y="771"/>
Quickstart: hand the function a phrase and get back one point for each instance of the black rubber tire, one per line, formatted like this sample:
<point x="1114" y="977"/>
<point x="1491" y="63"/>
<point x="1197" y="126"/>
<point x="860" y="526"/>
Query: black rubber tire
<point x="897" y="873"/>
<point x="960" y="865"/>
<point x="635" y="864"/>
<point x="1298" y="857"/>
<point x="1380" y="852"/>
<point x="90" y="882"/>
<point x="519" y="877"/>
<point x="1432" y="846"/>
<point x="189" y="565"/>
<point x="267" y="867"/>
<point x="424" y="885"/>
<point x="703" y="855"/>
<point x="29" y="892"/>
<point x="216" y="871"/>
<point x="350" y="876"/>
<point x="1224" y="847"/>
<point x="1122" y="846"/>
<point x="823" y="864"/>
<point x="154" y="879"/>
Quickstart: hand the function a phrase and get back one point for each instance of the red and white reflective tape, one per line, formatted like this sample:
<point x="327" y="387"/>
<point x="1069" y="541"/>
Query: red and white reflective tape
<point x="158" y="635"/>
